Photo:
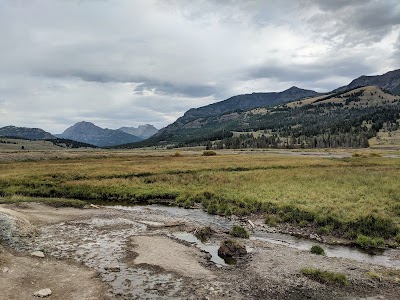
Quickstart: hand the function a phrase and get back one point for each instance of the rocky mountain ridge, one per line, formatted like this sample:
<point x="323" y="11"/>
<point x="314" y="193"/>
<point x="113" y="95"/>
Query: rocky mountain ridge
<point x="142" y="131"/>
<point x="26" y="133"/>
<point x="87" y="132"/>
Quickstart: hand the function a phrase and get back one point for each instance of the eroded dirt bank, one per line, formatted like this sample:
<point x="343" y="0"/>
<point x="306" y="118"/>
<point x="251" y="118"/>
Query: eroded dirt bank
<point x="113" y="253"/>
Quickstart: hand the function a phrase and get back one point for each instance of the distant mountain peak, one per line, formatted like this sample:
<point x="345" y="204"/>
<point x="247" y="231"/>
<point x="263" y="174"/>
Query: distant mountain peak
<point x="142" y="131"/>
<point x="90" y="133"/>
<point x="294" y="88"/>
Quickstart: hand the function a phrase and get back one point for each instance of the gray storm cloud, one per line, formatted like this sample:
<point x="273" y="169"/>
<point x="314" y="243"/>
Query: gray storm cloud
<point x="125" y="63"/>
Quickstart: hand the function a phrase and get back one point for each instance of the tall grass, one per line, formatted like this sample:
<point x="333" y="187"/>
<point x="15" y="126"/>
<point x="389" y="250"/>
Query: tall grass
<point x="347" y="197"/>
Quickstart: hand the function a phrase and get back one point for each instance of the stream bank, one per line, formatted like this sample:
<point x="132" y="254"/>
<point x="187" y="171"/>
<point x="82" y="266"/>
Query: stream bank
<point x="136" y="256"/>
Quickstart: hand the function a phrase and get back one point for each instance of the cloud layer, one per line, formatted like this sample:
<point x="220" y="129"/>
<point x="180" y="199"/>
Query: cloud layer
<point x="125" y="63"/>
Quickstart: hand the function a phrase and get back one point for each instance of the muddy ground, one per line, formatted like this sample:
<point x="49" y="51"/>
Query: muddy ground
<point x="112" y="253"/>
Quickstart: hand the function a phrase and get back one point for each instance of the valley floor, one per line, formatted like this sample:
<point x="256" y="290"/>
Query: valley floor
<point x="146" y="252"/>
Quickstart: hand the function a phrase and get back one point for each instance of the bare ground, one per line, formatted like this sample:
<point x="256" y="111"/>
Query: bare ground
<point x="22" y="276"/>
<point x="134" y="260"/>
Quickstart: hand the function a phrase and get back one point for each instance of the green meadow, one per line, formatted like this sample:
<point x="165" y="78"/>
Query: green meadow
<point x="342" y="196"/>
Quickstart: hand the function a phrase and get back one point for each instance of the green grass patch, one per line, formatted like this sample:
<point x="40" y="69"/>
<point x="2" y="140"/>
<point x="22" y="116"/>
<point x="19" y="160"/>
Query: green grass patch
<point x="370" y="242"/>
<point x="326" y="277"/>
<point x="240" y="232"/>
<point x="316" y="249"/>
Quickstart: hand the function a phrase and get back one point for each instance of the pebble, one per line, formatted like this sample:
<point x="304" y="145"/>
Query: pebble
<point x="37" y="254"/>
<point x="43" y="293"/>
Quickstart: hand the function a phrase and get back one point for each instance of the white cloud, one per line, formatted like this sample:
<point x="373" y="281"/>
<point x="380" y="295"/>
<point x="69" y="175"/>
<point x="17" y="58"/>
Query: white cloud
<point x="124" y="63"/>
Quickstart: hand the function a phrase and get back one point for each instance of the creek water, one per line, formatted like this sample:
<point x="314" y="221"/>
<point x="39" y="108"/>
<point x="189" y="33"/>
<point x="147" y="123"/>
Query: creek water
<point x="211" y="249"/>
<point x="382" y="258"/>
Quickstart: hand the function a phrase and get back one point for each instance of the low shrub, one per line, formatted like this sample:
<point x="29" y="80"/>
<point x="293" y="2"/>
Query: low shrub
<point x="317" y="249"/>
<point x="325" y="276"/>
<point x="369" y="242"/>
<point x="209" y="153"/>
<point x="240" y="232"/>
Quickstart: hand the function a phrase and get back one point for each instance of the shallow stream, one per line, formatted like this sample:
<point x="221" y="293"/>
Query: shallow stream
<point x="199" y="216"/>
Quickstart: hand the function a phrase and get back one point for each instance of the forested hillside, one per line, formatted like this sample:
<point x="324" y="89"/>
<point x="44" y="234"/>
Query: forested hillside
<point x="339" y="119"/>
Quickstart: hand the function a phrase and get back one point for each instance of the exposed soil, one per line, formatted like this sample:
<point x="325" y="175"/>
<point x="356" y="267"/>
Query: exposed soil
<point x="154" y="250"/>
<point x="22" y="276"/>
<point x="123" y="255"/>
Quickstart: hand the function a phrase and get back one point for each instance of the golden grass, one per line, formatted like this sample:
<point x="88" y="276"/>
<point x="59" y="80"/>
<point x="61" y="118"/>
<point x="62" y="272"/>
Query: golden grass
<point x="345" y="189"/>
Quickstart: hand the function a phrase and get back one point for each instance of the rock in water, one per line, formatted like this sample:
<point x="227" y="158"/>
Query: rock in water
<point x="43" y="293"/>
<point x="231" y="248"/>
<point x="38" y="254"/>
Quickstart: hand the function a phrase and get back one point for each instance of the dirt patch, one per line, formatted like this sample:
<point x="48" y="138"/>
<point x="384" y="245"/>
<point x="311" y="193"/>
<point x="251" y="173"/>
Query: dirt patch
<point x="21" y="277"/>
<point x="39" y="214"/>
<point x="172" y="256"/>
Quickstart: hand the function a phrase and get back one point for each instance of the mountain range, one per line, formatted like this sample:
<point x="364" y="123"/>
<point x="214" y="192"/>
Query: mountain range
<point x="275" y="114"/>
<point x="83" y="134"/>
<point x="347" y="116"/>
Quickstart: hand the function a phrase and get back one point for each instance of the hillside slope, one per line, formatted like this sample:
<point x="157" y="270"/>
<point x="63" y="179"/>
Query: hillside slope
<point x="195" y="117"/>
<point x="14" y="144"/>
<point x="389" y="82"/>
<point x="342" y="119"/>
<point x="25" y="132"/>
<point x="347" y="119"/>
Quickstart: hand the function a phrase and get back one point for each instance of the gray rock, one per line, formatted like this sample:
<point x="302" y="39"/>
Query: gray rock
<point x="37" y="254"/>
<point x="43" y="293"/>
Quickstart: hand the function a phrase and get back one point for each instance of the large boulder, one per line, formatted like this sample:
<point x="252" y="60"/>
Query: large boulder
<point x="231" y="248"/>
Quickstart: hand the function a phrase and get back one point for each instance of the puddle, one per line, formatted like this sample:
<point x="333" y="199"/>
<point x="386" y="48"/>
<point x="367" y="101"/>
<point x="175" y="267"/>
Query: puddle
<point x="197" y="216"/>
<point x="213" y="250"/>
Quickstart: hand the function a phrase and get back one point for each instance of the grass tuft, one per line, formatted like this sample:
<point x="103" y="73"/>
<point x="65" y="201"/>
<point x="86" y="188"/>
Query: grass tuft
<point x="317" y="249"/>
<point x="240" y="232"/>
<point x="209" y="153"/>
<point x="370" y="242"/>
<point x="326" y="277"/>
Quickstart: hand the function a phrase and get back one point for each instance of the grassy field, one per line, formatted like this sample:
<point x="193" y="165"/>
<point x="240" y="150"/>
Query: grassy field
<point x="9" y="144"/>
<point x="344" y="196"/>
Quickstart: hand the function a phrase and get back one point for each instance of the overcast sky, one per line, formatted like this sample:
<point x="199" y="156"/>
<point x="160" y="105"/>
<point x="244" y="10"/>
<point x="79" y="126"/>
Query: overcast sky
<point x="131" y="62"/>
